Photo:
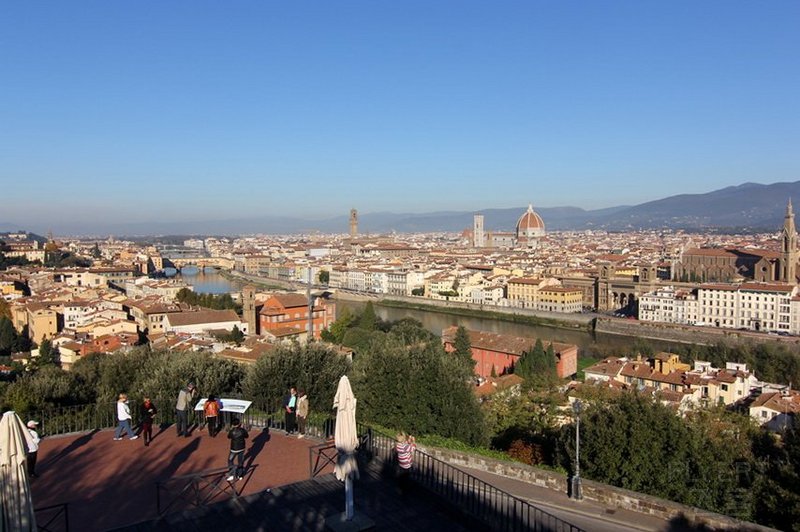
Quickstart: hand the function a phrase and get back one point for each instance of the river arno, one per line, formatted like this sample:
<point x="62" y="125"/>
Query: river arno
<point x="207" y="281"/>
<point x="589" y="344"/>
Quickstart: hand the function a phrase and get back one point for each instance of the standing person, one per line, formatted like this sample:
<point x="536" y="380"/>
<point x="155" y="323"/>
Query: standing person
<point x="124" y="417"/>
<point x="290" y="405"/>
<point x="211" y="410"/>
<point x="237" y="435"/>
<point x="149" y="411"/>
<point x="405" y="447"/>
<point x="302" y="413"/>
<point x="33" y="450"/>
<point x="182" y="407"/>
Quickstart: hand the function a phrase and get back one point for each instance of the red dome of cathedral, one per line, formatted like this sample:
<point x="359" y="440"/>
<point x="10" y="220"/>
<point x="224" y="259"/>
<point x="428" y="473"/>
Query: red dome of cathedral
<point x="529" y="220"/>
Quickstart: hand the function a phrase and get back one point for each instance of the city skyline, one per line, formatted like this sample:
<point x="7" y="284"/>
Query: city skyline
<point x="199" y="111"/>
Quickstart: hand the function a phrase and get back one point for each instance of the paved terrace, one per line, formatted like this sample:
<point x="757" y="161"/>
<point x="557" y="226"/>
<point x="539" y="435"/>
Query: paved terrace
<point x="110" y="484"/>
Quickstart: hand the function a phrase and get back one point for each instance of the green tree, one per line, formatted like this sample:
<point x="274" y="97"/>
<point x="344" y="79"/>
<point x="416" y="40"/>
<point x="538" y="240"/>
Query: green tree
<point x="537" y="366"/>
<point x="314" y="368"/>
<point x="409" y="331"/>
<point x="368" y="319"/>
<point x="324" y="277"/>
<point x="48" y="354"/>
<point x="336" y="331"/>
<point x="96" y="254"/>
<point x="418" y="388"/>
<point x="636" y="443"/>
<point x="463" y="347"/>
<point x="8" y="336"/>
<point x="418" y="291"/>
<point x="237" y="336"/>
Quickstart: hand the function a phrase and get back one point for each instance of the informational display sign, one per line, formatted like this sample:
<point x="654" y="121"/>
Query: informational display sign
<point x="234" y="406"/>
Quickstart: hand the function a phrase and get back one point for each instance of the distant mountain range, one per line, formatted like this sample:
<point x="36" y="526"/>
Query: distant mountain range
<point x="750" y="206"/>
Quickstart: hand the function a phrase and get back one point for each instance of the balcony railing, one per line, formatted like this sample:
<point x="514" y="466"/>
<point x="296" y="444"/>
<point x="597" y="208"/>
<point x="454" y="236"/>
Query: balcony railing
<point x="494" y="507"/>
<point x="53" y="518"/>
<point x="89" y="417"/>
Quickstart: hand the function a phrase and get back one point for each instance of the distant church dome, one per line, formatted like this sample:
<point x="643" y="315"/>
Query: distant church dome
<point x="530" y="227"/>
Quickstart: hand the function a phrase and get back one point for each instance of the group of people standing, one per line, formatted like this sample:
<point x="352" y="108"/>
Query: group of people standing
<point x="148" y="412"/>
<point x="294" y="404"/>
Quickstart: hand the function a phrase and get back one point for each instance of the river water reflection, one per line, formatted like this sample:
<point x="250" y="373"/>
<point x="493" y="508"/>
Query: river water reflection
<point x="589" y="344"/>
<point x="206" y="281"/>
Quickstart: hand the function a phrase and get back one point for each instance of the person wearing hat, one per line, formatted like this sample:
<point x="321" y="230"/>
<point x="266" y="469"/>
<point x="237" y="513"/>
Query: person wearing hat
<point x="33" y="450"/>
<point x="182" y="407"/>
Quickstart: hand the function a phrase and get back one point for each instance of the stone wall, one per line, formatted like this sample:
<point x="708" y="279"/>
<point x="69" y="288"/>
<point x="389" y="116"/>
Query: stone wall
<point x="595" y="491"/>
<point x="671" y="332"/>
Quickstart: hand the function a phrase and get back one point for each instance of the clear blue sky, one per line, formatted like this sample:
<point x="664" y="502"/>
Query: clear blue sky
<point x="191" y="110"/>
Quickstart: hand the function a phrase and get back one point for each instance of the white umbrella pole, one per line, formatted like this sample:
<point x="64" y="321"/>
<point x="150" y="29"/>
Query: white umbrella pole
<point x="348" y="497"/>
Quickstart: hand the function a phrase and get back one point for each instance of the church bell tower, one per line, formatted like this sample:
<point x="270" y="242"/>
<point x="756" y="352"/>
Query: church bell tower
<point x="789" y="259"/>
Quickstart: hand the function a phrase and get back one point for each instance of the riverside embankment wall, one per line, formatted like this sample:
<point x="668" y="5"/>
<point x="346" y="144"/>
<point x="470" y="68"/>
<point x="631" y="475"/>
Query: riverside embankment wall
<point x="670" y="332"/>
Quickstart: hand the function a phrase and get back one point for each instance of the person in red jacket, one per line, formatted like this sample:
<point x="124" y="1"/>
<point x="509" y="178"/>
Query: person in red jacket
<point x="211" y="410"/>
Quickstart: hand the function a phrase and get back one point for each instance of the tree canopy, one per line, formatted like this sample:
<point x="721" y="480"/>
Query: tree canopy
<point x="537" y="366"/>
<point x="212" y="301"/>
<point x="314" y="368"/>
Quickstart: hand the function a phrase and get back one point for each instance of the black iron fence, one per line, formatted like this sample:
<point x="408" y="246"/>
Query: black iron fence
<point x="494" y="507"/>
<point x="79" y="418"/>
<point x="89" y="417"/>
<point x="194" y="490"/>
<point x="53" y="518"/>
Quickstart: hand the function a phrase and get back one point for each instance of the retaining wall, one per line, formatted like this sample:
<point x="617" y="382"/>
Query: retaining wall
<point x="594" y="491"/>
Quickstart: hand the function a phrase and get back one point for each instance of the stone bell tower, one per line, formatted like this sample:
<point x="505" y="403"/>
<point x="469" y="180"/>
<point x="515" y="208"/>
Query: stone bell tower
<point x="249" y="309"/>
<point x="353" y="223"/>
<point x="789" y="256"/>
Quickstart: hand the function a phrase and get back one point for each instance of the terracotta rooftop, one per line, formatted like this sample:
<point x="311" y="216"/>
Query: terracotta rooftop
<point x="202" y="317"/>
<point x="503" y="343"/>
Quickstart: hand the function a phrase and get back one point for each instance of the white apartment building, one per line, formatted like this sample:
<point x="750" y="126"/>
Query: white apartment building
<point x="487" y="295"/>
<point x="356" y="279"/>
<point x="397" y="283"/>
<point x="669" y="305"/>
<point x="379" y="281"/>
<point x="338" y="277"/>
<point x="752" y="306"/>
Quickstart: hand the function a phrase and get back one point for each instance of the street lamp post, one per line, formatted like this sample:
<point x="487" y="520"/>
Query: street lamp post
<point x="577" y="492"/>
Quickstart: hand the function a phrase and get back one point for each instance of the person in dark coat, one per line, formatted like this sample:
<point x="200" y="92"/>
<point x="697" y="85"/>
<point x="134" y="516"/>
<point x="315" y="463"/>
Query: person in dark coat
<point x="149" y="411"/>
<point x="237" y="435"/>
<point x="290" y="407"/>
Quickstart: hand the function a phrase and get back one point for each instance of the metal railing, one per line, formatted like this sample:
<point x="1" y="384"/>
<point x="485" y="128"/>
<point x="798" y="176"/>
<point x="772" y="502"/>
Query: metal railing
<point x="492" y="506"/>
<point x="89" y="417"/>
<point x="79" y="418"/>
<point x="53" y="518"/>
<point x="194" y="490"/>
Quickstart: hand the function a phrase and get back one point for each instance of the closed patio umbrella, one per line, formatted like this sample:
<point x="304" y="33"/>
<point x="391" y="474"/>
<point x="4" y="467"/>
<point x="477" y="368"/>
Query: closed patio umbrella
<point x="15" y="490"/>
<point x="346" y="440"/>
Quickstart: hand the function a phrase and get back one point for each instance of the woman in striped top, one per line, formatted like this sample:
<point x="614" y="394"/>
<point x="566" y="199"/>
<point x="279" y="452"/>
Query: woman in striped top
<point x="405" y="446"/>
